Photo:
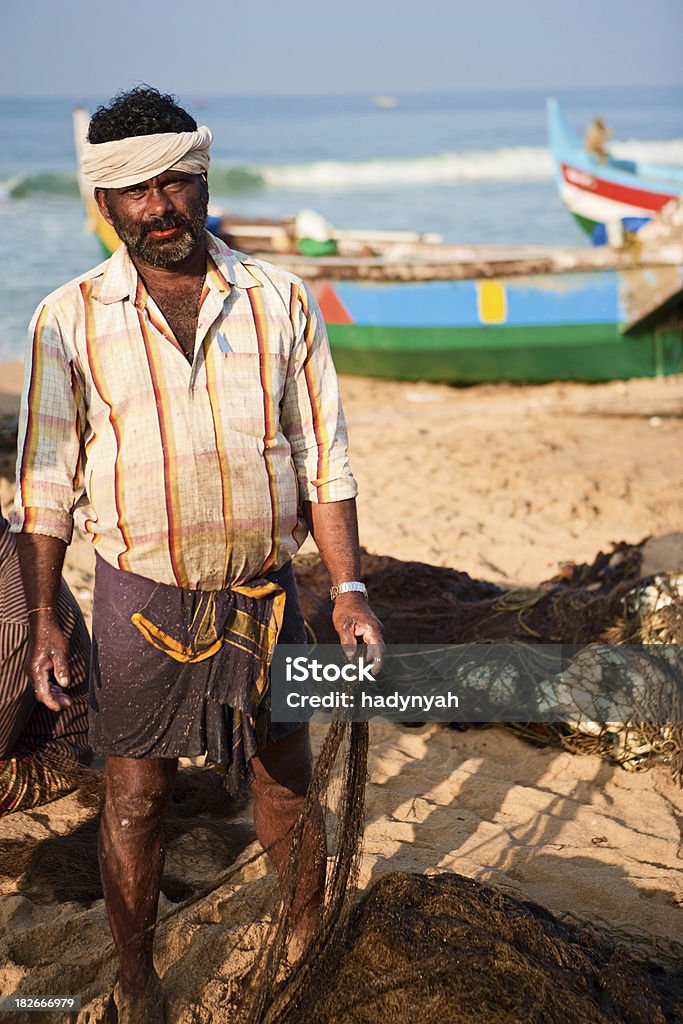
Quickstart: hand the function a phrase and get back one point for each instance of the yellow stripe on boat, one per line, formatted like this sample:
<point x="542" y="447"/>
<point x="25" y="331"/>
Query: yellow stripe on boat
<point x="104" y="232"/>
<point x="491" y="302"/>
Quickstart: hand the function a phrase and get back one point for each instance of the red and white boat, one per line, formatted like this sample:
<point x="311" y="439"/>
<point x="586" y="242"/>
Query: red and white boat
<point x="610" y="195"/>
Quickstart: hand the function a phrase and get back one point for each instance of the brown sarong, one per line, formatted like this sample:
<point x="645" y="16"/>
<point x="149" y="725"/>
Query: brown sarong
<point x="184" y="673"/>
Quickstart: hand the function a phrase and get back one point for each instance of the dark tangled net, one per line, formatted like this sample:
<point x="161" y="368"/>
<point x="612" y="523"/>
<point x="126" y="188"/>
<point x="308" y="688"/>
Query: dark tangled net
<point x="445" y="948"/>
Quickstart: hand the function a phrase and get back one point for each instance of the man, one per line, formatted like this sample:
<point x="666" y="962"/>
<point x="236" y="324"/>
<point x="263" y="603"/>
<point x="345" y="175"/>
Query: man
<point x="596" y="138"/>
<point x="40" y="750"/>
<point x="190" y="391"/>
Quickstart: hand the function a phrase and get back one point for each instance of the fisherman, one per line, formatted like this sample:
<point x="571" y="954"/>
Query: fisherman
<point x="42" y="742"/>
<point x="181" y="403"/>
<point x="596" y="138"/>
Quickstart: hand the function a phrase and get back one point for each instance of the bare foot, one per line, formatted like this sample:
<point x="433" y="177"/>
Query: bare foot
<point x="147" y="1006"/>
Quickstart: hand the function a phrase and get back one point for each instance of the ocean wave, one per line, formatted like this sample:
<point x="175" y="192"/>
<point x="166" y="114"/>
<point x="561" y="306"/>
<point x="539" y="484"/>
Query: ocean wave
<point x="514" y="163"/>
<point x="666" y="151"/>
<point x="235" y="179"/>
<point x="21" y="186"/>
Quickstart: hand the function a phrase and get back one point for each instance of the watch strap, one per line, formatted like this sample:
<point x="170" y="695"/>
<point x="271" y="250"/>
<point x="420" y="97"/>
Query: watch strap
<point x="348" y="587"/>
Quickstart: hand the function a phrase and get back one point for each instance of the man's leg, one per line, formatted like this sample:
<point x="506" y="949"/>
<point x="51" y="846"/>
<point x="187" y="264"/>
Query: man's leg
<point x="132" y="859"/>
<point x="283" y="773"/>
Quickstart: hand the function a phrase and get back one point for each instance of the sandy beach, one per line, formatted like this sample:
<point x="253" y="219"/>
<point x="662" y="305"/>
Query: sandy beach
<point x="502" y="482"/>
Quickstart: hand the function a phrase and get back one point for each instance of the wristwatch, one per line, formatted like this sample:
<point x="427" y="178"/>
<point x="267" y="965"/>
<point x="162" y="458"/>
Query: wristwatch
<point x="348" y="587"/>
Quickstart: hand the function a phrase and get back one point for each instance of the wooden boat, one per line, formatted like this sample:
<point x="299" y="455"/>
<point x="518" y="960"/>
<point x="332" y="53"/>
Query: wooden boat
<point x="472" y="314"/>
<point x="612" y="194"/>
<point x="406" y="306"/>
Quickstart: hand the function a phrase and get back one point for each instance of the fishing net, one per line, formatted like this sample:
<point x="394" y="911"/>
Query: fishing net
<point x="339" y="785"/>
<point x="620" y="635"/>
<point x="446" y="948"/>
<point x="606" y="600"/>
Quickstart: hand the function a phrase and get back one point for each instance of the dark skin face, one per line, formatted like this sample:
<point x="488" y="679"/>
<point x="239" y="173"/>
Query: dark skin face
<point x="161" y="220"/>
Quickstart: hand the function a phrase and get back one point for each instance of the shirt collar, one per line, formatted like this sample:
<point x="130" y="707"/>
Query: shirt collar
<point x="226" y="268"/>
<point x="231" y="267"/>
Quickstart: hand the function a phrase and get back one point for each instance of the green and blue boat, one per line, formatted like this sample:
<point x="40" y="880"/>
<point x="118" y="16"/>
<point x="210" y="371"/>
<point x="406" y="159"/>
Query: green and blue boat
<point x="526" y="327"/>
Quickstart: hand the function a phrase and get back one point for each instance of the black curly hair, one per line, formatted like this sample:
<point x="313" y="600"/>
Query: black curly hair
<point x="140" y="111"/>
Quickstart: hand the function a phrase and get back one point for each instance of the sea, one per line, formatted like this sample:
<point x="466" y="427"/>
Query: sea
<point x="471" y="166"/>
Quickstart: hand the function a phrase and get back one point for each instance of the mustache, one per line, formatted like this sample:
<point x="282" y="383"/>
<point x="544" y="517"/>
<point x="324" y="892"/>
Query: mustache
<point x="172" y="220"/>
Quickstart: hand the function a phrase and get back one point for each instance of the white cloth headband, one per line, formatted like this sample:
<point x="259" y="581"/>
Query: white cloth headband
<point x="129" y="161"/>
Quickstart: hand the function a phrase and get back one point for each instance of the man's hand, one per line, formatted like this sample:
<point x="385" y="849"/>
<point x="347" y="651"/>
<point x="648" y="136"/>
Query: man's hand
<point x="41" y="559"/>
<point x="334" y="528"/>
<point x="354" y="621"/>
<point x="47" y="661"/>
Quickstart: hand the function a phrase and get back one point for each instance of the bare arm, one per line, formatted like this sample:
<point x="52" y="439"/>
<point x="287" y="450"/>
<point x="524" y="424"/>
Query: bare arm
<point x="49" y="483"/>
<point x="313" y="422"/>
<point x="334" y="528"/>
<point x="41" y="560"/>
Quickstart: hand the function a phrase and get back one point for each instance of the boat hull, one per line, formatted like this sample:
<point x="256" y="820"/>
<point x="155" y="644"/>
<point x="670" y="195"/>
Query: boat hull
<point x="564" y="326"/>
<point x="613" y="192"/>
<point x="585" y="352"/>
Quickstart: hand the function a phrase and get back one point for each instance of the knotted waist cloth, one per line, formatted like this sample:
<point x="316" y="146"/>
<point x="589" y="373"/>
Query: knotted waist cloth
<point x="185" y="673"/>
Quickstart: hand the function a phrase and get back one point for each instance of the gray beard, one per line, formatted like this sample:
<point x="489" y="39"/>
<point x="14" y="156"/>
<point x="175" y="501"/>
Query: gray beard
<point x="161" y="254"/>
<point x="156" y="252"/>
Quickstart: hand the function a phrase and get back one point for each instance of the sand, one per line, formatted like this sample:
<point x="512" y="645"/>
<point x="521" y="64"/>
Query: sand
<point x="505" y="483"/>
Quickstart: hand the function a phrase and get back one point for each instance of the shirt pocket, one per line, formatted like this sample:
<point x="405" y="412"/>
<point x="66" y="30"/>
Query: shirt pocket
<point x="252" y="387"/>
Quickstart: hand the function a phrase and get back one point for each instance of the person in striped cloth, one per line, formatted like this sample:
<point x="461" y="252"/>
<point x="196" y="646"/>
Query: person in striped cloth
<point x="181" y="405"/>
<point x="40" y="749"/>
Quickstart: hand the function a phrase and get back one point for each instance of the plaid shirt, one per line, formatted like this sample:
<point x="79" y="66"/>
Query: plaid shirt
<point x="191" y="475"/>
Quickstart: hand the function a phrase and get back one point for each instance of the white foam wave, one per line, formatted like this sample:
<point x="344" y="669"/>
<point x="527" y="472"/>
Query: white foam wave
<point x="515" y="163"/>
<point x="521" y="162"/>
<point x="665" y="151"/>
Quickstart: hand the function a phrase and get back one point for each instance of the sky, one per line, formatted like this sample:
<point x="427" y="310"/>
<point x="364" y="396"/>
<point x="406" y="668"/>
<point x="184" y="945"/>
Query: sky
<point x="76" y="48"/>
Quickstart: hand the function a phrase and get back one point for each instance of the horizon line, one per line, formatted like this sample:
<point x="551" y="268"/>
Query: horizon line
<point x="369" y="92"/>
